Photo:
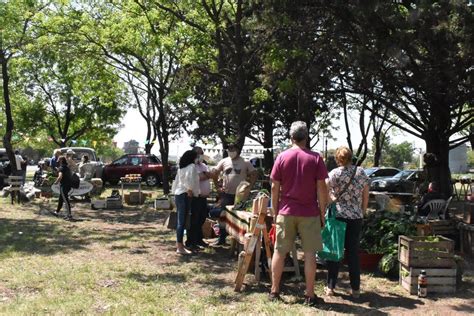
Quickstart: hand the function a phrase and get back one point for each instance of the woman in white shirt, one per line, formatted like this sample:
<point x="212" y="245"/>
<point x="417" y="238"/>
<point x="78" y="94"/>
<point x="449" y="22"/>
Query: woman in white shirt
<point x="185" y="186"/>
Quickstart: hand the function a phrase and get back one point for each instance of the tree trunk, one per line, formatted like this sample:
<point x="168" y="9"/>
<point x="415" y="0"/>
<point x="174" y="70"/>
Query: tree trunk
<point x="439" y="172"/>
<point x="268" y="137"/>
<point x="7" y="138"/>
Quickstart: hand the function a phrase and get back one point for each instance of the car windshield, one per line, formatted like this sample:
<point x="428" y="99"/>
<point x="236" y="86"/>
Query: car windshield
<point x="403" y="174"/>
<point x="369" y="171"/>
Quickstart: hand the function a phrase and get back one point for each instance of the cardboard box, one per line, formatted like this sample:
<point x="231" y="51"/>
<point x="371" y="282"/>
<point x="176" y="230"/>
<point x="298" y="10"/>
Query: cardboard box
<point x="136" y="197"/>
<point x="98" y="204"/>
<point x="114" y="203"/>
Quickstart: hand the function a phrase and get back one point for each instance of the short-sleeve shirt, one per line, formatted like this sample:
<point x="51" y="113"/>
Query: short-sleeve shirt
<point x="234" y="171"/>
<point x="298" y="171"/>
<point x="349" y="204"/>
<point x="204" y="185"/>
<point x="66" y="178"/>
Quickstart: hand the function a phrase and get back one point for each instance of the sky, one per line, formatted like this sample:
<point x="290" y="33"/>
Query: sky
<point x="133" y="128"/>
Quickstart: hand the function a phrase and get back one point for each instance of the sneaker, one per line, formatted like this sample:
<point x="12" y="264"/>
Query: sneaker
<point x="68" y="218"/>
<point x="329" y="291"/>
<point x="313" y="301"/>
<point x="355" y="293"/>
<point x="274" y="297"/>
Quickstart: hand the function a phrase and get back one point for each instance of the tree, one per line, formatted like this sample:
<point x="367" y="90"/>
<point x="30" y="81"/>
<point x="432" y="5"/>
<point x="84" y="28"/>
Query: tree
<point x="415" y="59"/>
<point x="71" y="93"/>
<point x="396" y="155"/>
<point x="15" y="31"/>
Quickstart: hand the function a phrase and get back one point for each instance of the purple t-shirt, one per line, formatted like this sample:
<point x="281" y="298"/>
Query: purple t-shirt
<point x="297" y="170"/>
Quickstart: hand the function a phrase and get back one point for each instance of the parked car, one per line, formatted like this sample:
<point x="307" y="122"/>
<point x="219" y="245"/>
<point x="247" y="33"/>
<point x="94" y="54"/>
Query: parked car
<point x="376" y="173"/>
<point x="148" y="165"/>
<point x="93" y="159"/>
<point x="404" y="181"/>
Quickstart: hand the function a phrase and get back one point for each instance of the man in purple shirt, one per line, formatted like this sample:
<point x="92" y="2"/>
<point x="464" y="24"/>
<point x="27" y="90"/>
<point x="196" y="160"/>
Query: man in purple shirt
<point x="299" y="198"/>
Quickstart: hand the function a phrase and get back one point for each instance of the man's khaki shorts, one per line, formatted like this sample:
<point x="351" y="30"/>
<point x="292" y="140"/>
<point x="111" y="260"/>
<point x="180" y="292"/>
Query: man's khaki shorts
<point x="309" y="229"/>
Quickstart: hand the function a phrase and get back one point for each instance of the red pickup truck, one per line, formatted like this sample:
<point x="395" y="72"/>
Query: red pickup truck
<point x="149" y="166"/>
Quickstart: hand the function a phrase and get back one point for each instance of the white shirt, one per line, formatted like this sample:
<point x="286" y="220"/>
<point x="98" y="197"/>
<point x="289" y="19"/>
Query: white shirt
<point x="186" y="179"/>
<point x="204" y="185"/>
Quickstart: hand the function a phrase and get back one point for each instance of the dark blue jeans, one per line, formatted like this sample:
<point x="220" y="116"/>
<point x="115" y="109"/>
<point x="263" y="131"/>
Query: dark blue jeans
<point x="198" y="217"/>
<point x="352" y="241"/>
<point x="183" y="204"/>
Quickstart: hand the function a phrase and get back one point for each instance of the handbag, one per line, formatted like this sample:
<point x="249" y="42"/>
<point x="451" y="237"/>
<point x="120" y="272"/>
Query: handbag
<point x="334" y="232"/>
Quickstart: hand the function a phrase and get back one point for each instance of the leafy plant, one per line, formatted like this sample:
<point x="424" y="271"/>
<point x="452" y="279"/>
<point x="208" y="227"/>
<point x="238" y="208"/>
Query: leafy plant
<point x="382" y="228"/>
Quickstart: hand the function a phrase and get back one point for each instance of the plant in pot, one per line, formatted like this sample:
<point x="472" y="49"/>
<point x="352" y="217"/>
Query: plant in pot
<point x="379" y="239"/>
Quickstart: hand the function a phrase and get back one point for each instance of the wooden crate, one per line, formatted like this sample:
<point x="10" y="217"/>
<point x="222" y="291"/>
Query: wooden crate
<point x="418" y="252"/>
<point x="467" y="239"/>
<point x="439" y="280"/>
<point x="468" y="217"/>
<point x="443" y="227"/>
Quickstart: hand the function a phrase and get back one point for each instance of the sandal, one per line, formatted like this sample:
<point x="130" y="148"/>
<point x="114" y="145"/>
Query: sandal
<point x="274" y="297"/>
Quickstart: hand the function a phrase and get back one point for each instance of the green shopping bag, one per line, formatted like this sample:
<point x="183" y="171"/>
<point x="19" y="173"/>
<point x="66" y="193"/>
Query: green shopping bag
<point x="333" y="236"/>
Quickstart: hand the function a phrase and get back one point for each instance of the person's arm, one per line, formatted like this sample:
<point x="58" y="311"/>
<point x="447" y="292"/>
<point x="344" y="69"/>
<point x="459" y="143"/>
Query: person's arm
<point x="275" y="197"/>
<point x="58" y="179"/>
<point x="365" y="199"/>
<point x="253" y="178"/>
<point x="323" y="198"/>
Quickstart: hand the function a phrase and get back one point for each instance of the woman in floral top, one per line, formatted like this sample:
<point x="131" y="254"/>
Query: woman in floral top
<point x="351" y="206"/>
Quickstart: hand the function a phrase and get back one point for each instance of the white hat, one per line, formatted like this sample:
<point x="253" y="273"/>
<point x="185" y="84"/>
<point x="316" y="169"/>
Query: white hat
<point x="70" y="152"/>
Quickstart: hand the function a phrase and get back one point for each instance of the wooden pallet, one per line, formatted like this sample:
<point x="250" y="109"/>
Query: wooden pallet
<point x="418" y="252"/>
<point x="439" y="280"/>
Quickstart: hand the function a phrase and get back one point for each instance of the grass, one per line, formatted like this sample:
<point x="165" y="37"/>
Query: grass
<point x="124" y="262"/>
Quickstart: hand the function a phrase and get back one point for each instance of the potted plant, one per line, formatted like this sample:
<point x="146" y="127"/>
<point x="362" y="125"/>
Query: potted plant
<point x="379" y="239"/>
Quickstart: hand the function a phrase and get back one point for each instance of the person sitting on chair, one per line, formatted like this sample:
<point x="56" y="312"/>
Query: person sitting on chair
<point x="432" y="194"/>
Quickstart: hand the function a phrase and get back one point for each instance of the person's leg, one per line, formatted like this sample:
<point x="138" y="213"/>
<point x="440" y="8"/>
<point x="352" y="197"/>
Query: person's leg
<point x="65" y="193"/>
<point x="309" y="229"/>
<point x="202" y="215"/>
<point x="353" y="230"/>
<point x="181" y="208"/>
<point x="226" y="199"/>
<point x="192" y="234"/>
<point x="278" y="262"/>
<point x="60" y="200"/>
<point x="333" y="271"/>
<point x="309" y="272"/>
<point x="285" y="239"/>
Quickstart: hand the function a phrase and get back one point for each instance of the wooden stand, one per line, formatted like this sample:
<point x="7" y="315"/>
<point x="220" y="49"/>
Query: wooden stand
<point x="253" y="241"/>
<point x="15" y="186"/>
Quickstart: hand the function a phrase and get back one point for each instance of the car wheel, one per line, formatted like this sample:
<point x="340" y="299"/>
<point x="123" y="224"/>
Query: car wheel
<point x="152" y="180"/>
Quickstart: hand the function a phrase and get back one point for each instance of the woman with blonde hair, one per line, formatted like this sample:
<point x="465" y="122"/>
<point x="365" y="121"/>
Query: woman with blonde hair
<point x="351" y="205"/>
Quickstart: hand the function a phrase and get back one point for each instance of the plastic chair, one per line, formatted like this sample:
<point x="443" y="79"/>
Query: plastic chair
<point x="442" y="215"/>
<point x="435" y="207"/>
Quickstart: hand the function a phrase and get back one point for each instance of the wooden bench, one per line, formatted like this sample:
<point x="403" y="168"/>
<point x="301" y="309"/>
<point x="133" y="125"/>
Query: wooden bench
<point x="15" y="183"/>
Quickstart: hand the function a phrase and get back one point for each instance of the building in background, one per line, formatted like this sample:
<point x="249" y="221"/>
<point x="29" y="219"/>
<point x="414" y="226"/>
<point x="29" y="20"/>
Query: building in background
<point x="131" y="147"/>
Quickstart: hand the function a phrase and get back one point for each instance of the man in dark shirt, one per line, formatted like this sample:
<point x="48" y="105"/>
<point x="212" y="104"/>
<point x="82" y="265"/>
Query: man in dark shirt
<point x="432" y="194"/>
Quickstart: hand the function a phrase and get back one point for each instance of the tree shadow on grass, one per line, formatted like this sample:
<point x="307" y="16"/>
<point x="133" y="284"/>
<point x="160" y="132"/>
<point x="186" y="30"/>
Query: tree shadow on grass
<point x="39" y="237"/>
